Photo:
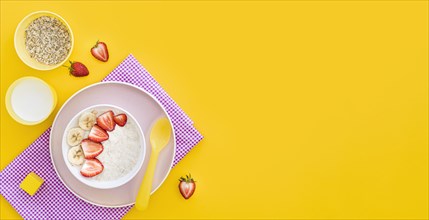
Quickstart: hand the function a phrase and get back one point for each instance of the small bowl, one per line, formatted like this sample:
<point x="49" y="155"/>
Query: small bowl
<point x="19" y="41"/>
<point x="30" y="100"/>
<point x="75" y="170"/>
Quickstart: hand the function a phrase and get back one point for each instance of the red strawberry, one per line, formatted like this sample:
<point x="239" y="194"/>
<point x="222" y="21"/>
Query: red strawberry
<point x="78" y="69"/>
<point x="120" y="119"/>
<point x="97" y="134"/>
<point x="100" y="52"/>
<point x="91" y="167"/>
<point x="187" y="186"/>
<point x="91" y="149"/>
<point x="106" y="121"/>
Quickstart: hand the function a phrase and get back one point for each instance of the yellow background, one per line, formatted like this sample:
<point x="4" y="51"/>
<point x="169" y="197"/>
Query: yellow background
<point x="309" y="109"/>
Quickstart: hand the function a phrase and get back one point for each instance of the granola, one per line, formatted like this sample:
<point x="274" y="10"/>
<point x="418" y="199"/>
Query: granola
<point x="47" y="40"/>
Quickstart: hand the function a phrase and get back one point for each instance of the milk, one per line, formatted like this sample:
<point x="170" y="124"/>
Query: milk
<point x="32" y="100"/>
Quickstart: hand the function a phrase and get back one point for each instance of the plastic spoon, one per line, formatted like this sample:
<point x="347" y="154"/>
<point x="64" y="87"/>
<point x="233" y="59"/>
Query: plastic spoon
<point x="159" y="137"/>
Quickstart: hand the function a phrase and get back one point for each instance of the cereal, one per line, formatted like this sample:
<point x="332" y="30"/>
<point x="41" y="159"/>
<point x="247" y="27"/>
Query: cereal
<point x="47" y="40"/>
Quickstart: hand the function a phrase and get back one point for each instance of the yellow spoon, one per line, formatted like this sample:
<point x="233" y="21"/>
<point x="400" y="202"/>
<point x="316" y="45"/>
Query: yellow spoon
<point x="159" y="137"/>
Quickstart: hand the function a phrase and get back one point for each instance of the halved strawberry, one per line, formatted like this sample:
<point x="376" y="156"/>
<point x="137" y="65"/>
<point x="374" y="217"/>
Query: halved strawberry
<point x="97" y="134"/>
<point x="106" y="121"/>
<point x="100" y="52"/>
<point x="187" y="186"/>
<point x="120" y="119"/>
<point x="91" y="167"/>
<point x="91" y="149"/>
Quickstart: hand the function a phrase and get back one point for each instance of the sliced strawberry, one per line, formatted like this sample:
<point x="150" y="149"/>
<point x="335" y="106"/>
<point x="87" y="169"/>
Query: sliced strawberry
<point x="97" y="134"/>
<point x="91" y="167"/>
<point x="120" y="119"/>
<point x="187" y="186"/>
<point x="106" y="121"/>
<point x="100" y="52"/>
<point x="91" y="149"/>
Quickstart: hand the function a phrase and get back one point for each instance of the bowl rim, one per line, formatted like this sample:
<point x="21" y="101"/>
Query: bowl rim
<point x="8" y="98"/>
<point x="134" y="170"/>
<point x="50" y="67"/>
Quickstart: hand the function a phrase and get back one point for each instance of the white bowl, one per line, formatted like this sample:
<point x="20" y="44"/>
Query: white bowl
<point x="91" y="181"/>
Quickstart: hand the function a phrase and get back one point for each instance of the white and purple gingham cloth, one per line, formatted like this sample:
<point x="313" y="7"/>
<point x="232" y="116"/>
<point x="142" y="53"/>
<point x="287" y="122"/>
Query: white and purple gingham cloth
<point x="53" y="200"/>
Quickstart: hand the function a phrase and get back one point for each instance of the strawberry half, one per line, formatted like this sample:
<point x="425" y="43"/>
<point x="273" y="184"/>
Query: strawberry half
<point x="91" y="167"/>
<point x="120" y="119"/>
<point x="187" y="186"/>
<point x="97" y="134"/>
<point x="106" y="121"/>
<point x="100" y="52"/>
<point x="91" y="149"/>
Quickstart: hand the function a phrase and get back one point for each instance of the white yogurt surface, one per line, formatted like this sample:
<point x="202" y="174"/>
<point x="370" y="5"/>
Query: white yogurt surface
<point x="32" y="100"/>
<point x="121" y="152"/>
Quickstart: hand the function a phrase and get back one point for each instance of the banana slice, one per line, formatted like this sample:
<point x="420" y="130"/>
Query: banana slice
<point x="87" y="120"/>
<point x="76" y="156"/>
<point x="75" y="136"/>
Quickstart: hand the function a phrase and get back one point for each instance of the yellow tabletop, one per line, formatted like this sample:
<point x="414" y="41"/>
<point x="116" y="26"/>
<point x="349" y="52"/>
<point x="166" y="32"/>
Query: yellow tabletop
<point x="309" y="109"/>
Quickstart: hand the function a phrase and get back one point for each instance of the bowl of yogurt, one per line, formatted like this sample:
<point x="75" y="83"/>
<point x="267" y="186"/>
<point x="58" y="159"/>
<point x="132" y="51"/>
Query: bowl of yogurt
<point x="103" y="146"/>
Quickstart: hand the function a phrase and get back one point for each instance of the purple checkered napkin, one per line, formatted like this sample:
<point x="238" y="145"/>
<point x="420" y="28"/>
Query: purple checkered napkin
<point x="54" y="200"/>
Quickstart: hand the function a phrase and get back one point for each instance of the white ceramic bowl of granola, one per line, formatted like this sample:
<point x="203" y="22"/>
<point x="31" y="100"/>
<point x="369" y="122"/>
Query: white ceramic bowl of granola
<point x="123" y="153"/>
<point x="58" y="56"/>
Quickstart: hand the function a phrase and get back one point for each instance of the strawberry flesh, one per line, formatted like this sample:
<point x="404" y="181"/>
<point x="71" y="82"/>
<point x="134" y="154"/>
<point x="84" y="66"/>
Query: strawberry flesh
<point x="91" y="167"/>
<point x="187" y="186"/>
<point x="106" y="121"/>
<point x="100" y="52"/>
<point x="120" y="119"/>
<point x="91" y="149"/>
<point x="98" y="134"/>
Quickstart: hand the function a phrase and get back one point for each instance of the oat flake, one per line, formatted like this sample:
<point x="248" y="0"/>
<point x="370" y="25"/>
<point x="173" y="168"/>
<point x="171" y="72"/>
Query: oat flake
<point x="47" y="40"/>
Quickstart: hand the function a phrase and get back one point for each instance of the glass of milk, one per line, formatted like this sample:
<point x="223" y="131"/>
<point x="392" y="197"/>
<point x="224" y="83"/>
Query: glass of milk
<point x="30" y="100"/>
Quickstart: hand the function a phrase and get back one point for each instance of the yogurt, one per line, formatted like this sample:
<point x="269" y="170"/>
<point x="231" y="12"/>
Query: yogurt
<point x="121" y="152"/>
